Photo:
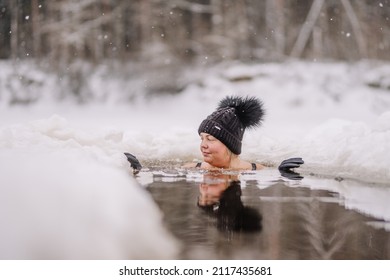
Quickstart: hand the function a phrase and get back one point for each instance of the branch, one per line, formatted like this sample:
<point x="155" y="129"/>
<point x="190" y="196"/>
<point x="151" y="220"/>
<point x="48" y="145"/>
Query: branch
<point x="307" y="28"/>
<point x="355" y="27"/>
<point x="193" y="7"/>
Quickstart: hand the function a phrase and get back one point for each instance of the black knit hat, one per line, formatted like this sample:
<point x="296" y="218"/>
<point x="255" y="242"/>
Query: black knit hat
<point x="233" y="115"/>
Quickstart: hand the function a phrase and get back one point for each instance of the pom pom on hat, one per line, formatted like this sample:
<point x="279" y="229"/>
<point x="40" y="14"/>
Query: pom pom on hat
<point x="249" y="110"/>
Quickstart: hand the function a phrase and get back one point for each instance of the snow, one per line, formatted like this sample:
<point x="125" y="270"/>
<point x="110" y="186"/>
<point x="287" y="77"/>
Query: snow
<point x="64" y="174"/>
<point x="68" y="195"/>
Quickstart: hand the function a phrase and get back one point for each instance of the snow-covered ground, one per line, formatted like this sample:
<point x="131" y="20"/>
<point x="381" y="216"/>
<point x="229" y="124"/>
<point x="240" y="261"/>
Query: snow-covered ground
<point x="59" y="158"/>
<point x="324" y="112"/>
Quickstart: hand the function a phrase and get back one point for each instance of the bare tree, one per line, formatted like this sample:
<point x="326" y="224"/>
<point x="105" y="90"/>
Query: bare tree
<point x="361" y="42"/>
<point x="14" y="28"/>
<point x="307" y="28"/>
<point x="96" y="30"/>
<point x="275" y="24"/>
<point x="35" y="19"/>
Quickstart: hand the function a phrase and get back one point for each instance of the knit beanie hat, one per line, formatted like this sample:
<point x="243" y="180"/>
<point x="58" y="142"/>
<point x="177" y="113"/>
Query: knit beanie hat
<point x="232" y="116"/>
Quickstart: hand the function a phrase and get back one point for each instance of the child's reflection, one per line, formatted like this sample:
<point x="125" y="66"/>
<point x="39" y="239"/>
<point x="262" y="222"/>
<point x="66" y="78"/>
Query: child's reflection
<point x="220" y="196"/>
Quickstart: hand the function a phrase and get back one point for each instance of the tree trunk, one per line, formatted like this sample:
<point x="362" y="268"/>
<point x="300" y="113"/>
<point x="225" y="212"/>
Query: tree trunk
<point x="217" y="17"/>
<point x="242" y="28"/>
<point x="361" y="42"/>
<point x="36" y="36"/>
<point x="317" y="42"/>
<point x="145" y="22"/>
<point x="275" y="25"/>
<point x="307" y="28"/>
<point x="14" y="28"/>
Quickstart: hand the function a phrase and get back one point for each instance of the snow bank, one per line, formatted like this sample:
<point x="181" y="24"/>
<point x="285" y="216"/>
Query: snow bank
<point x="334" y="115"/>
<point x="65" y="191"/>
<point x="350" y="149"/>
<point x="67" y="194"/>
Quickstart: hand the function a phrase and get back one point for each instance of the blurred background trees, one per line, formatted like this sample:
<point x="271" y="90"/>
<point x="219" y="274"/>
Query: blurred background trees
<point x="187" y="30"/>
<point x="155" y="46"/>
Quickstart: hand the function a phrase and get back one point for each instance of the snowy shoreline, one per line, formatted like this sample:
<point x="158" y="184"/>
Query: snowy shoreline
<point x="328" y="113"/>
<point x="325" y="113"/>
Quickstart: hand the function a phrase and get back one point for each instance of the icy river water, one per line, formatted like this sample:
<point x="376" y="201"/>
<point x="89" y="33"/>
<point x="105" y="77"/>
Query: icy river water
<point x="262" y="215"/>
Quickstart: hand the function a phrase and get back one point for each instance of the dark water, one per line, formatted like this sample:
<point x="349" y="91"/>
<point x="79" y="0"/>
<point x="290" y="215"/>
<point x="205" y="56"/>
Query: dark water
<point x="257" y="216"/>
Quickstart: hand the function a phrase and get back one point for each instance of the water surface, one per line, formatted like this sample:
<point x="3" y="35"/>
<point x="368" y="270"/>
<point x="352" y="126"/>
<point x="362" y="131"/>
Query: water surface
<point x="262" y="215"/>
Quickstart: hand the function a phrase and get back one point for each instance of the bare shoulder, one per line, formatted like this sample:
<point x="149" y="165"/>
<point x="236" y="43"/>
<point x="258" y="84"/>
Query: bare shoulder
<point x="202" y="165"/>
<point x="190" y="165"/>
<point x="259" y="166"/>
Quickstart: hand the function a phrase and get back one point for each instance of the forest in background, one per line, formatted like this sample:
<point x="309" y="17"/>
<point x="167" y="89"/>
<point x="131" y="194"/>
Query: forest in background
<point x="247" y="30"/>
<point x="155" y="46"/>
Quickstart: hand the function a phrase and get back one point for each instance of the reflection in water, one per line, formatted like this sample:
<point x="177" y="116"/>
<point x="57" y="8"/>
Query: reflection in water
<point x="220" y="197"/>
<point x="325" y="230"/>
<point x="219" y="218"/>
